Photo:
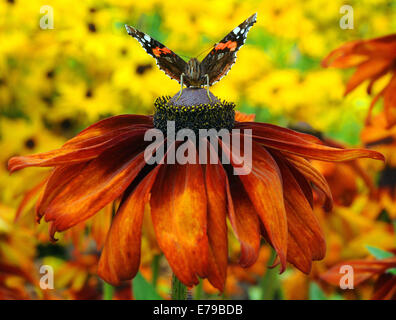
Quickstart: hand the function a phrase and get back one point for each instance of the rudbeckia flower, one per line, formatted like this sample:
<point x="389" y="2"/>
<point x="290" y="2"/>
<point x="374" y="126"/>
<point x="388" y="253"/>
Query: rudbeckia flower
<point x="373" y="59"/>
<point x="190" y="203"/>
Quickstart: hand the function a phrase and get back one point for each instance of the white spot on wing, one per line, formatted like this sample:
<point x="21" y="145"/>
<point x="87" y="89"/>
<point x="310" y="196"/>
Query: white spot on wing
<point x="236" y="30"/>
<point x="147" y="37"/>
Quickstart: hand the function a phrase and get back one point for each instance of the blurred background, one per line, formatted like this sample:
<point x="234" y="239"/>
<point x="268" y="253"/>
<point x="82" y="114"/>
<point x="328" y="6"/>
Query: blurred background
<point x="55" y="82"/>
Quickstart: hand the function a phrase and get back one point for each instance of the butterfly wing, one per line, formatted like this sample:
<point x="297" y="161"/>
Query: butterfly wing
<point x="167" y="60"/>
<point x="223" y="55"/>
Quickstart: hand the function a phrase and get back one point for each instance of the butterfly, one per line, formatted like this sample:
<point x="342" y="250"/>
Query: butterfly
<point x="193" y="73"/>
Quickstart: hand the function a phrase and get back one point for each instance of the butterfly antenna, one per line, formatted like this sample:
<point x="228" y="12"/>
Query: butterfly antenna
<point x="184" y="56"/>
<point x="189" y="57"/>
<point x="206" y="50"/>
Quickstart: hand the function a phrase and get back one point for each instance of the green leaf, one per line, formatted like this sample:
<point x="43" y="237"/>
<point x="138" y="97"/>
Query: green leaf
<point x="379" y="253"/>
<point x="382" y="254"/>
<point x="315" y="292"/>
<point x="143" y="290"/>
<point x="270" y="283"/>
<point x="254" y="292"/>
<point x="391" y="271"/>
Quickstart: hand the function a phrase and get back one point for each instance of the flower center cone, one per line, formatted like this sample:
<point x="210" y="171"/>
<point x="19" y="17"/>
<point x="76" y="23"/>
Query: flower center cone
<point x="194" y="110"/>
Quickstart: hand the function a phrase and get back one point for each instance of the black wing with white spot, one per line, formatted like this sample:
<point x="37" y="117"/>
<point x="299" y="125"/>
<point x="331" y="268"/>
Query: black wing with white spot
<point x="223" y="55"/>
<point x="167" y="60"/>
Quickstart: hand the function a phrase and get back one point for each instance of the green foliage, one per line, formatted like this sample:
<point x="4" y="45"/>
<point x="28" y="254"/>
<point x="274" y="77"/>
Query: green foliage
<point x="143" y="290"/>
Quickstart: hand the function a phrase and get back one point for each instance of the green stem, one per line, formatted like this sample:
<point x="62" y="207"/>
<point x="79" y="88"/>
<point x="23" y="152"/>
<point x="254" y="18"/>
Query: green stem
<point x="108" y="291"/>
<point x="198" y="291"/>
<point x="155" y="269"/>
<point x="270" y="282"/>
<point x="179" y="290"/>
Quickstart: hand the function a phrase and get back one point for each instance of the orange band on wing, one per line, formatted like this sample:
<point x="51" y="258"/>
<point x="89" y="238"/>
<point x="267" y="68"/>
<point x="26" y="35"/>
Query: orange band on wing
<point x="160" y="51"/>
<point x="229" y="44"/>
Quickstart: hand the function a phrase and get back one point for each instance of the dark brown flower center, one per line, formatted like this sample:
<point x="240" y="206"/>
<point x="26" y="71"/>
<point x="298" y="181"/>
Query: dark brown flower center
<point x="193" y="110"/>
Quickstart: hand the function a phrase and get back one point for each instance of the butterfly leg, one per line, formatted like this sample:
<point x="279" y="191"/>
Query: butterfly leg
<point x="181" y="87"/>
<point x="207" y="86"/>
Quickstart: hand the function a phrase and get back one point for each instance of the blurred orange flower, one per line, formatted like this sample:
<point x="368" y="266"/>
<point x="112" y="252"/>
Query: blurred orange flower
<point x="373" y="59"/>
<point x="105" y="162"/>
<point x="385" y="285"/>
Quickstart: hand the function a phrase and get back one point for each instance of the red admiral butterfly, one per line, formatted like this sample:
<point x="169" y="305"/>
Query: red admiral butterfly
<point x="194" y="73"/>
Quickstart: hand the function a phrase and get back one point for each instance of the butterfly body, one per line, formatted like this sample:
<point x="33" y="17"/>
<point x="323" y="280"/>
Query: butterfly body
<point x="195" y="73"/>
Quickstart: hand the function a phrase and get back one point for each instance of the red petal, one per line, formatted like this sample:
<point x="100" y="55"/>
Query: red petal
<point x="178" y="209"/>
<point x="120" y="258"/>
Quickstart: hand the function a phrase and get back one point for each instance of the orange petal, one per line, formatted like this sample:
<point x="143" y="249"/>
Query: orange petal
<point x="120" y="257"/>
<point x="100" y="226"/>
<point x="244" y="221"/>
<point x="79" y="152"/>
<point x="58" y="180"/>
<point x="215" y="181"/>
<point x="318" y="152"/>
<point x="367" y="70"/>
<point x="100" y="182"/>
<point x="390" y="101"/>
<point x="313" y="175"/>
<point x="179" y="213"/>
<point x="385" y="288"/>
<point x="306" y="238"/>
<point x="363" y="270"/>
<point x="343" y="56"/>
<point x="107" y="128"/>
<point x="28" y="196"/>
<point x="264" y="188"/>
<point x="304" y="184"/>
<point x="243" y="117"/>
<point x="272" y="131"/>
<point x="351" y="53"/>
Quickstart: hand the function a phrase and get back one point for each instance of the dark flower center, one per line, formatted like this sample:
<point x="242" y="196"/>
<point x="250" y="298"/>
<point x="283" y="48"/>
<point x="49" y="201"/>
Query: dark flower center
<point x="92" y="27"/>
<point x="388" y="178"/>
<point x="142" y="68"/>
<point x="30" y="143"/>
<point x="193" y="110"/>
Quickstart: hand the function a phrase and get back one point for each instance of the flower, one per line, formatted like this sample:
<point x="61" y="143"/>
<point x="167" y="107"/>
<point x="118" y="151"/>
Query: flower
<point x="373" y="59"/>
<point x="363" y="270"/>
<point x="189" y="202"/>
